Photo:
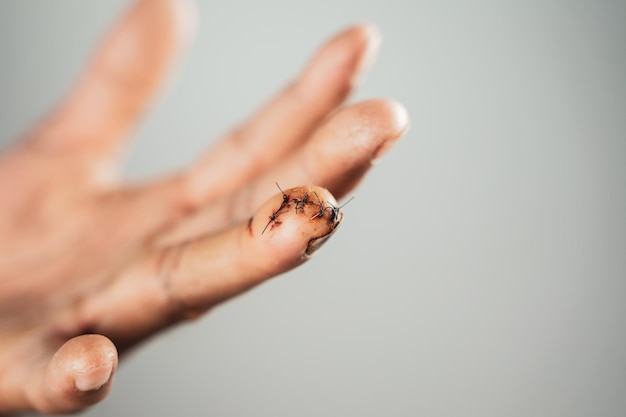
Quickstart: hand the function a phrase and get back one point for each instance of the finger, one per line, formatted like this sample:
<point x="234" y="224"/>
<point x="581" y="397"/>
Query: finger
<point x="77" y="376"/>
<point x="344" y="149"/>
<point x="276" y="239"/>
<point x="337" y="157"/>
<point x="287" y="120"/>
<point x="182" y="281"/>
<point x="121" y="79"/>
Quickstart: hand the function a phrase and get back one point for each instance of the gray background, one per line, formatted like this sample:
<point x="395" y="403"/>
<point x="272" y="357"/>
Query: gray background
<point x="480" y="270"/>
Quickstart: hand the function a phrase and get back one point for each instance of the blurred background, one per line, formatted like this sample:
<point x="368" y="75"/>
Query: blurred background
<point x="481" y="268"/>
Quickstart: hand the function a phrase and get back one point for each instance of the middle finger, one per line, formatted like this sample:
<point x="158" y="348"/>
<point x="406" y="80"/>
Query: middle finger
<point x="287" y="120"/>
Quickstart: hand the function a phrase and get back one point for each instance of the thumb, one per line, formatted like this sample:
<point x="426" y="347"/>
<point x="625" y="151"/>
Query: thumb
<point x="77" y="376"/>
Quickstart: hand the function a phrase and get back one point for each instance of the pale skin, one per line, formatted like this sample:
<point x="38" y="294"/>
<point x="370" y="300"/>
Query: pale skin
<point x="90" y="266"/>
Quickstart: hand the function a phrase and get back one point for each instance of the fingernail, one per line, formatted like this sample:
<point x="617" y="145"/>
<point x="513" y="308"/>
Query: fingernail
<point x="400" y="125"/>
<point x="187" y="15"/>
<point x="93" y="379"/>
<point x="373" y="40"/>
<point x="316" y="243"/>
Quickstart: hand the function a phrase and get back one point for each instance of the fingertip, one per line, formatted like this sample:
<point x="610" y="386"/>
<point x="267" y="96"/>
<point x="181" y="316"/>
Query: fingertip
<point x="346" y="145"/>
<point x="95" y="368"/>
<point x="174" y="20"/>
<point x="398" y="123"/>
<point x="341" y="63"/>
<point x="373" y="127"/>
<point x="402" y="116"/>
<point x="122" y="78"/>
<point x="385" y="115"/>
<point x="186" y="16"/>
<point x="393" y="123"/>
<point x="79" y="374"/>
<point x="365" y="34"/>
<point x="370" y="36"/>
<point x="289" y="232"/>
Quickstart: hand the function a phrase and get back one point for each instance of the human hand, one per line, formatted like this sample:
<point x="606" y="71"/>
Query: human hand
<point x="91" y="266"/>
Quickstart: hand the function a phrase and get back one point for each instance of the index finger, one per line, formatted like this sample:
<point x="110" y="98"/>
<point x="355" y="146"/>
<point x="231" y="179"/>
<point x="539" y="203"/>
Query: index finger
<point x="166" y="285"/>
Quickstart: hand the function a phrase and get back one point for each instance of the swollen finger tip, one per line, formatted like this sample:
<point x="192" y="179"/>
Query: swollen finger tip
<point x="294" y="224"/>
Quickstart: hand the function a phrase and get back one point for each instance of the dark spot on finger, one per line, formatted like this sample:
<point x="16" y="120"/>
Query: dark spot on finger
<point x="250" y="225"/>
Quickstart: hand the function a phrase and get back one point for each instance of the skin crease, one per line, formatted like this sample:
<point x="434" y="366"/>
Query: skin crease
<point x="92" y="266"/>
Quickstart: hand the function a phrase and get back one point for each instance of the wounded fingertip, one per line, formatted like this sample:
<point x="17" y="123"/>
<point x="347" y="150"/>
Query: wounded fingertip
<point x="296" y="222"/>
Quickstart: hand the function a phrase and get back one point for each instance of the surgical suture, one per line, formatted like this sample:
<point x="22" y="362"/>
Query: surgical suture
<point x="302" y="202"/>
<point x="274" y="218"/>
<point x="334" y="210"/>
<point x="285" y="202"/>
<point x="320" y="213"/>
